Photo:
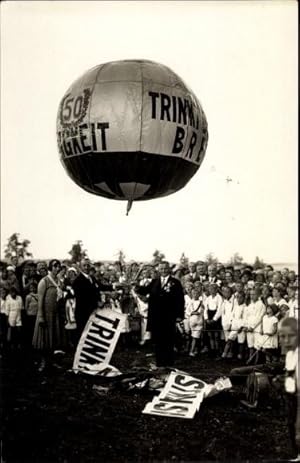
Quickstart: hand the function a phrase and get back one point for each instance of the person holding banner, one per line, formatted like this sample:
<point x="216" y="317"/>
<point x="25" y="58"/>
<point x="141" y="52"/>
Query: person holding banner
<point x="166" y="308"/>
<point x="87" y="294"/>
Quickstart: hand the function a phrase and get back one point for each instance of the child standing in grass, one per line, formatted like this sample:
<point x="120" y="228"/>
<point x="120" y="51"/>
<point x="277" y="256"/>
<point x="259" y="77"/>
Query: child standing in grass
<point x="31" y="308"/>
<point x="212" y="317"/>
<point x="226" y="316"/>
<point x="14" y="307"/>
<point x="236" y="332"/>
<point x="269" y="339"/>
<point x="195" y="321"/>
<point x="253" y="316"/>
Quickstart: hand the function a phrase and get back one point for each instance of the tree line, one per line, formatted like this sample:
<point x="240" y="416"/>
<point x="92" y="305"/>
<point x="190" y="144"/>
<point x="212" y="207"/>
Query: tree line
<point x="19" y="248"/>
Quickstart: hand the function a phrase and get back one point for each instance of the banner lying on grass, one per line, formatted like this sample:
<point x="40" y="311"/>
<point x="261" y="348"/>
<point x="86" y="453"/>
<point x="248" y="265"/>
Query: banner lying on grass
<point x="98" y="341"/>
<point x="181" y="397"/>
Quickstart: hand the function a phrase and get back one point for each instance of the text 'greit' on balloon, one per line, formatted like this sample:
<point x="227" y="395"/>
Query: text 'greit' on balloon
<point x="86" y="138"/>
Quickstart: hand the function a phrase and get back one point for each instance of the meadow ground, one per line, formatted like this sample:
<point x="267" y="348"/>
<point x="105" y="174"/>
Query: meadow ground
<point x="57" y="416"/>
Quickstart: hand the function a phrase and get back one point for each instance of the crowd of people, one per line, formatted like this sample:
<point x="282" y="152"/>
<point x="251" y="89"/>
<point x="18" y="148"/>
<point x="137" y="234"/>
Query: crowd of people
<point x="222" y="311"/>
<point x="228" y="310"/>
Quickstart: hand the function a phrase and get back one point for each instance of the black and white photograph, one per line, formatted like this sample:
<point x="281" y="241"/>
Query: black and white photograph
<point x="149" y="231"/>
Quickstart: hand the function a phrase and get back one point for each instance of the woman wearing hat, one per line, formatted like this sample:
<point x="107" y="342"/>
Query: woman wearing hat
<point x="12" y="279"/>
<point x="49" y="334"/>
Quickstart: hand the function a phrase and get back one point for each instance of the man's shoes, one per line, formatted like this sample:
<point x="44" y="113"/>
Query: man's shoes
<point x="248" y="404"/>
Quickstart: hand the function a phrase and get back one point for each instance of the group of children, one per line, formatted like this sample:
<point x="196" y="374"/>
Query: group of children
<point x="219" y="321"/>
<point x="17" y="316"/>
<point x="247" y="314"/>
<point x="227" y="312"/>
<point x="255" y="325"/>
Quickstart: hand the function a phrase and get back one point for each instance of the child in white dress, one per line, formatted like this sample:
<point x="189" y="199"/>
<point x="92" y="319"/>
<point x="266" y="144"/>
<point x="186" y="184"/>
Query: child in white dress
<point x="253" y="316"/>
<point x="226" y="312"/>
<point x="269" y="340"/>
<point x="142" y="307"/>
<point x="293" y="302"/>
<point x="14" y="306"/>
<point x="194" y="320"/>
<point x="236" y="332"/>
<point x="212" y="317"/>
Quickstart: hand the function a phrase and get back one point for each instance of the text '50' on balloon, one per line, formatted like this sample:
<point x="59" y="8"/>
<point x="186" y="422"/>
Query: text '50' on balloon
<point x="131" y="130"/>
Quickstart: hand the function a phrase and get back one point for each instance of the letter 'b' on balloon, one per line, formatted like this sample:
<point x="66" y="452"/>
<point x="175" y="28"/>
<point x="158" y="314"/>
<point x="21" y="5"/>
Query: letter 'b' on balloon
<point x="131" y="130"/>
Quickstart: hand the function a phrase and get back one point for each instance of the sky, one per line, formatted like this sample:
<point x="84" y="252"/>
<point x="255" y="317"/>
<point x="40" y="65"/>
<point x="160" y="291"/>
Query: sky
<point x="240" y="59"/>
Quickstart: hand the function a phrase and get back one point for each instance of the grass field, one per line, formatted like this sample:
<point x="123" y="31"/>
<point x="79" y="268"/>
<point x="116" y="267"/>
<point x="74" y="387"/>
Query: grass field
<point x="56" y="416"/>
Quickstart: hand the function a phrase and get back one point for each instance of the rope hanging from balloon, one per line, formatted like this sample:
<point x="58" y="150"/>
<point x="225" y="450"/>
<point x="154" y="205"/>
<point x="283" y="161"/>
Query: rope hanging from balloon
<point x="129" y="206"/>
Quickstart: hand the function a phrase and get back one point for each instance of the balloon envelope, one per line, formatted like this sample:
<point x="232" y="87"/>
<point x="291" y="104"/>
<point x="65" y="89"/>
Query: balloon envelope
<point x="131" y="130"/>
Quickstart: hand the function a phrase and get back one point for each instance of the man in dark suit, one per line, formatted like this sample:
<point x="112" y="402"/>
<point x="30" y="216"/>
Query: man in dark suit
<point x="87" y="294"/>
<point x="201" y="271"/>
<point x="166" y="308"/>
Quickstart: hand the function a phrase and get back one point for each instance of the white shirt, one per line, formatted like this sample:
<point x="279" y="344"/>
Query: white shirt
<point x="3" y="306"/>
<point x="213" y="303"/>
<point x="280" y="302"/>
<point x="192" y="305"/>
<point x="164" y="281"/>
<point x="227" y="310"/>
<point x="269" y="325"/>
<point x="13" y="309"/>
<point x="238" y="310"/>
<point x="293" y="306"/>
<point x="187" y="305"/>
<point x="253" y="315"/>
<point x="237" y="315"/>
<point x="87" y="276"/>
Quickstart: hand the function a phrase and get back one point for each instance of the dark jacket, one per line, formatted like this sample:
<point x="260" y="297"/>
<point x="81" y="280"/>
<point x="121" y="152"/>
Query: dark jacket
<point x="166" y="304"/>
<point x="87" y="295"/>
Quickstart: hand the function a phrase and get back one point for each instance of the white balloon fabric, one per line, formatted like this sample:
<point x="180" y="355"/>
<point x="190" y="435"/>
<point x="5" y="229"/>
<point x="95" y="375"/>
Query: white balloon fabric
<point x="131" y="130"/>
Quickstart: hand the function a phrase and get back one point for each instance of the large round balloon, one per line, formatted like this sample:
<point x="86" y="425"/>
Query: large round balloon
<point x="131" y="130"/>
